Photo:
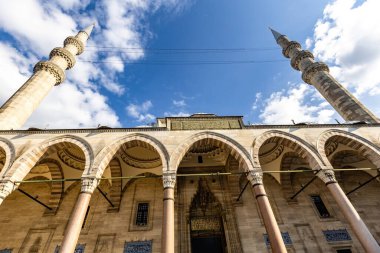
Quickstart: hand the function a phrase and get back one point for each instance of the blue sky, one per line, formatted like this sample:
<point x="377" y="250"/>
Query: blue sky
<point x="157" y="58"/>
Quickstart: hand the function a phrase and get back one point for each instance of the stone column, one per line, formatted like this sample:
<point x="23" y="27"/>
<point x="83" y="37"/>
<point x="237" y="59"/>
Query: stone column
<point x="6" y="188"/>
<point x="167" y="237"/>
<point x="357" y="225"/>
<point x="16" y="111"/>
<point x="271" y="226"/>
<point x="317" y="74"/>
<point x="74" y="227"/>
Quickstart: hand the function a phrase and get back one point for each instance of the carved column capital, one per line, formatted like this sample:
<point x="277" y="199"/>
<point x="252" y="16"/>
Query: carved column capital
<point x="89" y="184"/>
<point x="52" y="68"/>
<point x="169" y="179"/>
<point x="292" y="45"/>
<point x="6" y="188"/>
<point x="255" y="177"/>
<point x="327" y="176"/>
<point x="64" y="53"/>
<point x="76" y="42"/>
<point x="299" y="57"/>
<point x="312" y="69"/>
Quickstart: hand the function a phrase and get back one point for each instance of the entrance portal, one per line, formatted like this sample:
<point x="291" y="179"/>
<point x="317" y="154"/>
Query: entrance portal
<point x="206" y="224"/>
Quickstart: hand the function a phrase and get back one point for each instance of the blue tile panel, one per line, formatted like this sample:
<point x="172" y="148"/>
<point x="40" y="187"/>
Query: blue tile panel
<point x="138" y="247"/>
<point x="337" y="235"/>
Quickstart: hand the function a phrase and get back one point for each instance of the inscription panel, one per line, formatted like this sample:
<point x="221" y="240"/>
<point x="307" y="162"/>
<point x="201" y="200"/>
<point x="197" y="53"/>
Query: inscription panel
<point x="138" y="247"/>
<point x="205" y="224"/>
<point x="205" y="124"/>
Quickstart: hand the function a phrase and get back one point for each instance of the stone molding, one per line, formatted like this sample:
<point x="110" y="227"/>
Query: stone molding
<point x="169" y="179"/>
<point x="64" y="53"/>
<point x="299" y="57"/>
<point x="53" y="69"/>
<point x="327" y="176"/>
<point x="312" y="69"/>
<point x="6" y="188"/>
<point x="89" y="184"/>
<point x="292" y="45"/>
<point x="71" y="40"/>
<point x="255" y="177"/>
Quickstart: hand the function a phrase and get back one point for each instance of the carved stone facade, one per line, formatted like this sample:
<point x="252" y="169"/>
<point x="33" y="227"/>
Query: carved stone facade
<point x="194" y="186"/>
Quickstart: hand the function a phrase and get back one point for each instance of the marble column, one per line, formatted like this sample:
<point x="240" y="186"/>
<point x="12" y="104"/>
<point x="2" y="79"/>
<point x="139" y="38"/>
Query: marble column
<point x="167" y="237"/>
<point x="74" y="227"/>
<point x="357" y="225"/>
<point x="270" y="223"/>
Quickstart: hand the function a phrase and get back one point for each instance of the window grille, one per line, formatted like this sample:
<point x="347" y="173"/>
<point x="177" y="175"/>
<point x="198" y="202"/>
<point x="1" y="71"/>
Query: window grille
<point x="318" y="203"/>
<point x="142" y="214"/>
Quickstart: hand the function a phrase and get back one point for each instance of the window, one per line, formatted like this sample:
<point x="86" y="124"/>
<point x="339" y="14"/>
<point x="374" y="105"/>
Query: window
<point x="142" y="214"/>
<point x="343" y="251"/>
<point x="318" y="203"/>
<point x="200" y="159"/>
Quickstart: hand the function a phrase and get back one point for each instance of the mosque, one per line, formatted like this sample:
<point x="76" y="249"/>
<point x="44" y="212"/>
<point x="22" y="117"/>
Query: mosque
<point x="197" y="184"/>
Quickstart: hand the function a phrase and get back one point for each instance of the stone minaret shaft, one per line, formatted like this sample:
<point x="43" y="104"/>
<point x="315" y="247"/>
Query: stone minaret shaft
<point x="16" y="111"/>
<point x="317" y="74"/>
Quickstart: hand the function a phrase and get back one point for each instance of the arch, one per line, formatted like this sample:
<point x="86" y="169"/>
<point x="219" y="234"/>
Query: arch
<point x="115" y="189"/>
<point x="22" y="166"/>
<point x="107" y="153"/>
<point x="299" y="146"/>
<point x="364" y="147"/>
<point x="56" y="194"/>
<point x="10" y="153"/>
<point x="219" y="140"/>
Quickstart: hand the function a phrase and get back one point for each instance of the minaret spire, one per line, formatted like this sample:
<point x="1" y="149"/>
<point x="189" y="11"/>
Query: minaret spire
<point x="16" y="111"/>
<point x="317" y="74"/>
<point x="276" y="34"/>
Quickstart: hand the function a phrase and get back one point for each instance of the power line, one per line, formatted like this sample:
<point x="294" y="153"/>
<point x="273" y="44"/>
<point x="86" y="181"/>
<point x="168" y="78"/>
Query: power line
<point x="189" y="62"/>
<point x="187" y="49"/>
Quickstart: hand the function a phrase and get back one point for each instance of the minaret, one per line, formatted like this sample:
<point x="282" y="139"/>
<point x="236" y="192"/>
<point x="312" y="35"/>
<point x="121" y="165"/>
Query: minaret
<point x="16" y="111"/>
<point x="317" y="74"/>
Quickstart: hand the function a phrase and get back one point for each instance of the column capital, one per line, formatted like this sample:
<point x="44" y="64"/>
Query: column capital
<point x="327" y="176"/>
<point x="6" y="188"/>
<point x="255" y="177"/>
<point x="89" y="184"/>
<point x="169" y="179"/>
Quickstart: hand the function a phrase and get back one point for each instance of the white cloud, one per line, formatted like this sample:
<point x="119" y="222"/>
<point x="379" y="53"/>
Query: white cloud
<point x="177" y="114"/>
<point x="38" y="26"/>
<point x="347" y="38"/>
<point x="179" y="103"/>
<point x="295" y="104"/>
<point x="140" y="112"/>
<point x="258" y="98"/>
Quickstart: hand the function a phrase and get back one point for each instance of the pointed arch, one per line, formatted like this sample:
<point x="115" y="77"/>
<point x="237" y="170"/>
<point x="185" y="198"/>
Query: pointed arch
<point x="364" y="147"/>
<point x="219" y="140"/>
<point x="107" y="153"/>
<point x="115" y="190"/>
<point x="57" y="188"/>
<point x="22" y="166"/>
<point x="9" y="151"/>
<point x="299" y="146"/>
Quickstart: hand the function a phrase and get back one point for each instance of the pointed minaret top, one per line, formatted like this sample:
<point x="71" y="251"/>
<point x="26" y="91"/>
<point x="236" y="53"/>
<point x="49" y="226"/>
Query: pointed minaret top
<point x="88" y="29"/>
<point x="276" y="34"/>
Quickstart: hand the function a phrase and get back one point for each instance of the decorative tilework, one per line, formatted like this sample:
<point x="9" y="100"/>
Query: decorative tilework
<point x="285" y="237"/>
<point x="5" y="250"/>
<point x="336" y="235"/>
<point x="138" y="247"/>
<point x="78" y="249"/>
